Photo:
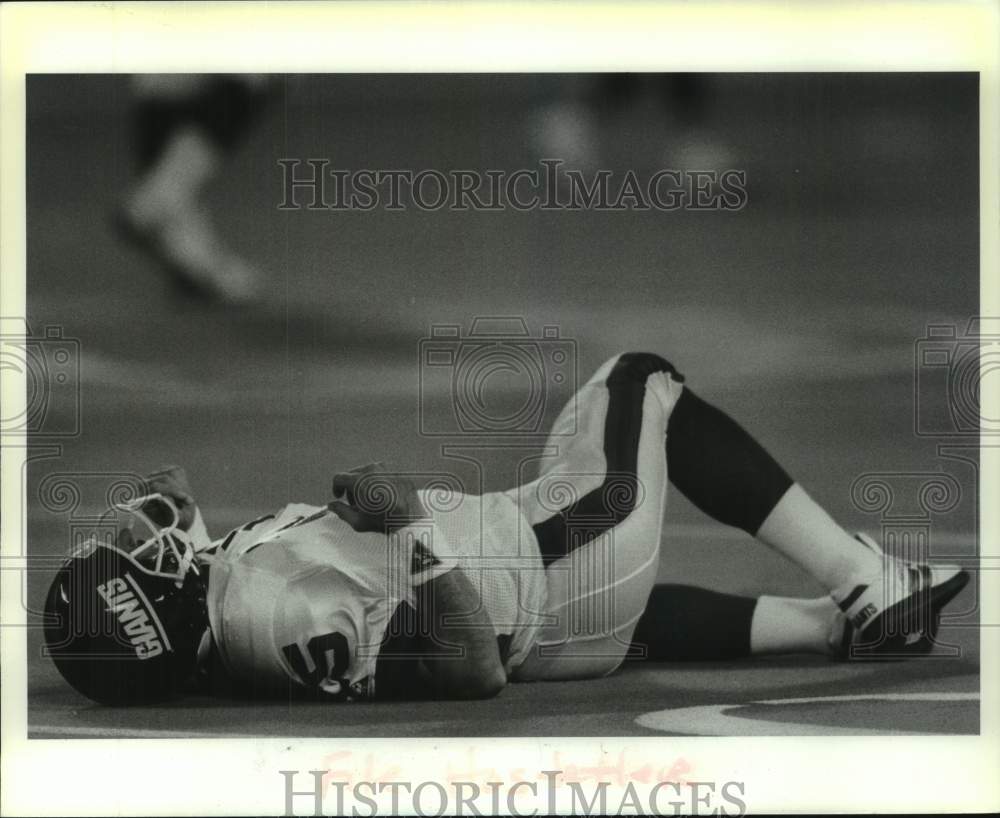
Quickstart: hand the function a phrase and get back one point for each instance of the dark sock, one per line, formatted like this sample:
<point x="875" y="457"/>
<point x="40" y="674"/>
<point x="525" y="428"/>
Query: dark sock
<point x="224" y="109"/>
<point x="682" y="622"/>
<point x="719" y="467"/>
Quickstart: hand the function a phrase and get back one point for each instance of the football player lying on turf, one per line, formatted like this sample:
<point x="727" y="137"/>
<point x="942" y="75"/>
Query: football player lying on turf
<point x="389" y="591"/>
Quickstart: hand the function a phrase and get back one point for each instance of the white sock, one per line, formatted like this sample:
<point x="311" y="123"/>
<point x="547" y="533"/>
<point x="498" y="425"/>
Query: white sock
<point x="784" y="625"/>
<point x="801" y="530"/>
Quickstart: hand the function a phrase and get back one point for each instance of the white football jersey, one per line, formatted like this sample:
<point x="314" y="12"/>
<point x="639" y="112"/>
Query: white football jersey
<point x="496" y="548"/>
<point x="301" y="598"/>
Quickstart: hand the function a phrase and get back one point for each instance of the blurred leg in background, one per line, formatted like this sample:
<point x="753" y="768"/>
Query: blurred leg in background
<point x="632" y="119"/>
<point x="185" y="128"/>
<point x="692" y="141"/>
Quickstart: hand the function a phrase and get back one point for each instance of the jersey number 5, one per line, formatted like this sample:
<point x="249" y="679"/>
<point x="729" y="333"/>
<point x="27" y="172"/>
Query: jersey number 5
<point x="325" y="657"/>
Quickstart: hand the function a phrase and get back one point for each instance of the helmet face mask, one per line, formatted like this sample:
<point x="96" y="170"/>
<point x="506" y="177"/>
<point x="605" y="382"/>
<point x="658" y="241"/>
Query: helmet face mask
<point x="155" y="541"/>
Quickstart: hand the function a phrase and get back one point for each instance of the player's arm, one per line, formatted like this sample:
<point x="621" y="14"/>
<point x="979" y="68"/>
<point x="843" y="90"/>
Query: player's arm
<point x="458" y="646"/>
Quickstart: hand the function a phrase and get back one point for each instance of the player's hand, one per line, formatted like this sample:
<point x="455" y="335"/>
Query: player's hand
<point x="371" y="499"/>
<point x="172" y="482"/>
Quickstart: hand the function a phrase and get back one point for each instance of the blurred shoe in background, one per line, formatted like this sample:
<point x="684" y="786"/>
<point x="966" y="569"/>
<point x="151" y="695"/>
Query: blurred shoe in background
<point x="186" y="126"/>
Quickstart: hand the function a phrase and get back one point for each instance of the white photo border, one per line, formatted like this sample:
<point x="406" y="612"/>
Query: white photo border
<point x="240" y="777"/>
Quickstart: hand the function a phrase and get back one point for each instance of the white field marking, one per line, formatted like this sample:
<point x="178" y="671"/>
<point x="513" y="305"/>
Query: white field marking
<point x="683" y="531"/>
<point x="715" y="719"/>
<point x="123" y="732"/>
<point x="706" y="531"/>
<point x="794" y="350"/>
<point x="323" y="382"/>
<point x="78" y="731"/>
<point x="169" y="384"/>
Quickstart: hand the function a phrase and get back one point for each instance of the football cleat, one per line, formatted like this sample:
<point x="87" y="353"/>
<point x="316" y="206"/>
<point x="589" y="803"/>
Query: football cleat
<point x="895" y="613"/>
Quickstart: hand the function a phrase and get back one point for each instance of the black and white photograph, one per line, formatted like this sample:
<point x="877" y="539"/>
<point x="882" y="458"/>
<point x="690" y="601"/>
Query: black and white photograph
<point x="501" y="404"/>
